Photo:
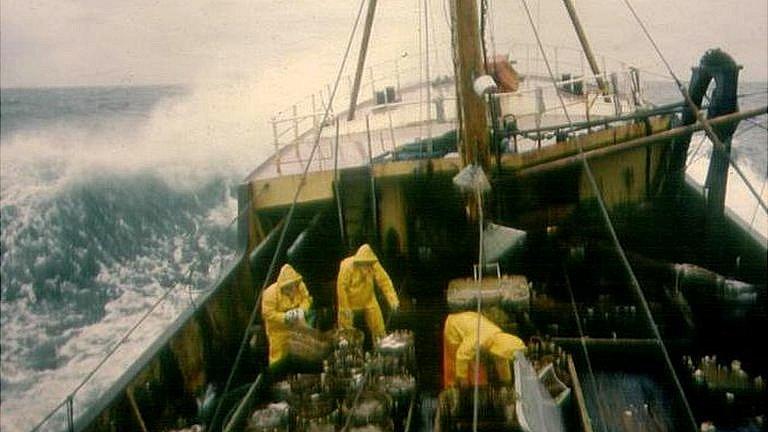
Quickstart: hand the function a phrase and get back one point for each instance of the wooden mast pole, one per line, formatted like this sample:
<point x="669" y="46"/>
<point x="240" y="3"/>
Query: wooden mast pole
<point x="585" y="45"/>
<point x="361" y="58"/>
<point x="468" y="65"/>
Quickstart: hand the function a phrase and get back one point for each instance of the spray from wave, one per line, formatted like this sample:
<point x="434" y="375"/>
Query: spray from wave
<point x="111" y="196"/>
<point x="105" y="206"/>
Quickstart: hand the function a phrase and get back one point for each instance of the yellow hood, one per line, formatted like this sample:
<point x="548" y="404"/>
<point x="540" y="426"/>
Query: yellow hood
<point x="288" y="276"/>
<point x="365" y="255"/>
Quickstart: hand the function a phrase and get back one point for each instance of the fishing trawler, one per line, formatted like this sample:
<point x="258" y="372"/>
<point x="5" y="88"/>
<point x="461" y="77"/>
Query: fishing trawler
<point x="550" y="198"/>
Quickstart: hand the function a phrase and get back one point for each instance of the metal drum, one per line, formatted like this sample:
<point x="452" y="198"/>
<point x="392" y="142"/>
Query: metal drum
<point x="398" y="345"/>
<point x="273" y="418"/>
<point x="496" y="409"/>
<point x="297" y="387"/>
<point x="343" y="372"/>
<point x="305" y="384"/>
<point x="370" y="408"/>
<point x="399" y="387"/>
<point x="316" y="412"/>
<point x="387" y="364"/>
<point x="345" y="382"/>
<point x="281" y="391"/>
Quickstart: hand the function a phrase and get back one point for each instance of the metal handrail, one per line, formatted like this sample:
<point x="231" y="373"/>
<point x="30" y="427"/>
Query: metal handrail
<point x="68" y="401"/>
<point x="400" y="74"/>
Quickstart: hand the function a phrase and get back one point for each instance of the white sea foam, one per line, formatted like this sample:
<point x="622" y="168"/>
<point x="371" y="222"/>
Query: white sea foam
<point x="187" y="142"/>
<point x="218" y="129"/>
<point x="739" y="200"/>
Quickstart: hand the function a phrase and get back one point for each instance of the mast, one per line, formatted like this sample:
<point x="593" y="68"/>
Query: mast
<point x="468" y="65"/>
<point x="585" y="45"/>
<point x="361" y="58"/>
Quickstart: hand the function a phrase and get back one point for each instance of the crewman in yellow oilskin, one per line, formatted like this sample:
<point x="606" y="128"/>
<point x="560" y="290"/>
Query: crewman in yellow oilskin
<point x="460" y="342"/>
<point x="358" y="275"/>
<point x="285" y="303"/>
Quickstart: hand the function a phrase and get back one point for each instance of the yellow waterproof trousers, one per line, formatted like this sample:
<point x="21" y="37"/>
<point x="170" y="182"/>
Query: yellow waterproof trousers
<point x="373" y="319"/>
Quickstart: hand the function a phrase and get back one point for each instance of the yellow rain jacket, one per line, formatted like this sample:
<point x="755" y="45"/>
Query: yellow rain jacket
<point x="357" y="276"/>
<point x="460" y="341"/>
<point x="274" y="304"/>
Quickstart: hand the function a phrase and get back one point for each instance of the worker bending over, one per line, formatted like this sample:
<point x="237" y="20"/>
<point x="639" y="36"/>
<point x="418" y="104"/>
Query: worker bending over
<point x="358" y="275"/>
<point x="284" y="304"/>
<point x="460" y="342"/>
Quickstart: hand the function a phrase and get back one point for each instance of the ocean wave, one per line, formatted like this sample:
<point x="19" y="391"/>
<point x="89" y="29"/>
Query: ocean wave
<point x="98" y="222"/>
<point x="80" y="266"/>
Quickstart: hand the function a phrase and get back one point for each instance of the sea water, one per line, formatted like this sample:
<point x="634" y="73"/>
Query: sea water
<point x="111" y="196"/>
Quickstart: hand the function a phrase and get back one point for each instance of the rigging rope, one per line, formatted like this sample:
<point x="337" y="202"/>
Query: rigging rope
<point x="695" y="155"/>
<point x="454" y="59"/>
<point x="492" y="28"/>
<point x="758" y="124"/>
<point x="481" y="269"/>
<point x="483" y="18"/>
<point x="289" y="216"/>
<point x="739" y="132"/>
<point x="435" y="45"/>
<point x="718" y="144"/>
<point x="447" y="16"/>
<point x="427" y="79"/>
<point x="337" y="186"/>
<point x="609" y="225"/>
<point x="754" y="213"/>
<point x="423" y="60"/>
<point x="421" y="76"/>
<point x="746" y="129"/>
<point x="69" y="399"/>
<point x="582" y="339"/>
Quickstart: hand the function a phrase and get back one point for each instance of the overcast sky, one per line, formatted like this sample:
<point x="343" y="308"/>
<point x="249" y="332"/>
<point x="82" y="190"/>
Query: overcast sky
<point x="107" y="42"/>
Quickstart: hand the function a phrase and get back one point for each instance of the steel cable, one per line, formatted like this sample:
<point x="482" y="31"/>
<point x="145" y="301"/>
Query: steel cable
<point x="69" y="400"/>
<point x="609" y="225"/>
<point x="289" y="215"/>
<point x="717" y="143"/>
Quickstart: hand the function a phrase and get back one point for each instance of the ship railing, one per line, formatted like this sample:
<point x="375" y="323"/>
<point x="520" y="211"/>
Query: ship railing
<point x="387" y="83"/>
<point x="570" y="63"/>
<point x="537" y="110"/>
<point x="565" y="59"/>
<point x="384" y="137"/>
<point x="389" y="80"/>
<point x="403" y="71"/>
<point x="70" y="415"/>
<point x="396" y="75"/>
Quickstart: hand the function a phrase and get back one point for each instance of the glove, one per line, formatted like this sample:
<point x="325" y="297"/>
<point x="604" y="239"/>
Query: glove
<point x="395" y="307"/>
<point x="292" y="315"/>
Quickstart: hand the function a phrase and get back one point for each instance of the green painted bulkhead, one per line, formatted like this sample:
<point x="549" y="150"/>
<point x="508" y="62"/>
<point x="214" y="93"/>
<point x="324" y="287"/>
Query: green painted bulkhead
<point x="419" y="223"/>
